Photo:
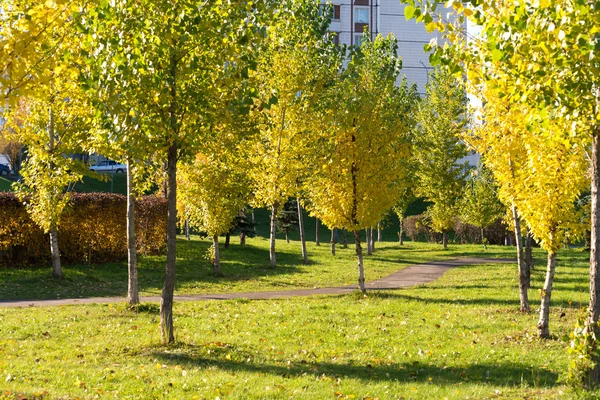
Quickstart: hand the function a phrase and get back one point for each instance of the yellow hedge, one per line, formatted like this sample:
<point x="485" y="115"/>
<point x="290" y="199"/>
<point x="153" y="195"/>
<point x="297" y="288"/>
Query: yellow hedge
<point x="92" y="230"/>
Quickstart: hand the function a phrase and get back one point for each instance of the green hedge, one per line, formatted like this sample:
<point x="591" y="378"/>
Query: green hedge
<point x="92" y="230"/>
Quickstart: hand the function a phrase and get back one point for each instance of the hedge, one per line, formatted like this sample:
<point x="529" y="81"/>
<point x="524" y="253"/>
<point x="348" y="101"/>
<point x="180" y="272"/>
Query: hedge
<point x="92" y="230"/>
<point x="416" y="229"/>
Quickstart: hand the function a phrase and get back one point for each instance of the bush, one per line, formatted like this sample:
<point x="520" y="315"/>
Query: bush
<point x="416" y="229"/>
<point x="92" y="229"/>
<point x="467" y="233"/>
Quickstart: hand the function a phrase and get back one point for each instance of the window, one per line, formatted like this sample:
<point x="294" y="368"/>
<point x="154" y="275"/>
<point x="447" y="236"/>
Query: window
<point x="336" y="38"/>
<point x="359" y="38"/>
<point x="336" y="12"/>
<point x="361" y="15"/>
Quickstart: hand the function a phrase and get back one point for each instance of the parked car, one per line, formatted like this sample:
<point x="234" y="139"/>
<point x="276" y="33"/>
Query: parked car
<point x="109" y="166"/>
<point x="4" y="169"/>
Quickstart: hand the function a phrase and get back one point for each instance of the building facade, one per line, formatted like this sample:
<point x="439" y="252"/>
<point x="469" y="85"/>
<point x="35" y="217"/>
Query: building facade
<point x="352" y="17"/>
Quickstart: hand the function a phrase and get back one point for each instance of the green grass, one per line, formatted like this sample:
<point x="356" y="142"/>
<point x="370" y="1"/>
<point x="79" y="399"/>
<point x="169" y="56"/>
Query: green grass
<point x="118" y="184"/>
<point x="458" y="337"/>
<point x="5" y="185"/>
<point x="244" y="268"/>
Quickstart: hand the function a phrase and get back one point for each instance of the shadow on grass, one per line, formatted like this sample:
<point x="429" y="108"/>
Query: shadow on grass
<point x="503" y="374"/>
<point x="239" y="263"/>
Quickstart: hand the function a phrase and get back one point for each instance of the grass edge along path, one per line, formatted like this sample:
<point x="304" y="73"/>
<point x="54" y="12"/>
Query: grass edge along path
<point x="410" y="276"/>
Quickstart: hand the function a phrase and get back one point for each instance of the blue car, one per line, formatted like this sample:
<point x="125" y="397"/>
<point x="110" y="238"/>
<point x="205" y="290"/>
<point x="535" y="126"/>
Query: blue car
<point x="4" y="169"/>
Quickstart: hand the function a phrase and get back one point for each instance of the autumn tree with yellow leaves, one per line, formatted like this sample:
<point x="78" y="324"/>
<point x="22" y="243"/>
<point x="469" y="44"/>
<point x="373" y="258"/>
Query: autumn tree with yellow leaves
<point x="365" y="143"/>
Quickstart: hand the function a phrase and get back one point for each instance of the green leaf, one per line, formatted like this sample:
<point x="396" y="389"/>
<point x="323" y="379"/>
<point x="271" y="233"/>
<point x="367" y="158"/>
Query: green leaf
<point x="409" y="12"/>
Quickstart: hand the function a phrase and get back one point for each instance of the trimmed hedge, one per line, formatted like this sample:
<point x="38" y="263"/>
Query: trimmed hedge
<point x="416" y="229"/>
<point x="92" y="230"/>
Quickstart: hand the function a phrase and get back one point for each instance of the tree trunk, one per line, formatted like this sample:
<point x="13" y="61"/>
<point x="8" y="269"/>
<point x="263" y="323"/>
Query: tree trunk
<point x="217" y="256"/>
<point x="242" y="238"/>
<point x="333" y="242"/>
<point x="594" y="308"/>
<point x="528" y="256"/>
<point x="133" y="297"/>
<point x="361" y="268"/>
<point x="401" y="232"/>
<point x="272" y="259"/>
<point x="301" y="229"/>
<point x="445" y="239"/>
<point x="317" y="241"/>
<point x="54" y="250"/>
<point x="523" y="285"/>
<point x="227" y="240"/>
<point x="372" y="237"/>
<point x="379" y="232"/>
<point x="166" y="301"/>
<point x="345" y="244"/>
<point x="187" y="229"/>
<point x="543" y="329"/>
<point x="56" y="267"/>
<point x="368" y="241"/>
<point x="483" y="239"/>
<point x="287" y="236"/>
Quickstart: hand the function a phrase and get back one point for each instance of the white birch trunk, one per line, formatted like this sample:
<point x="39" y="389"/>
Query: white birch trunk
<point x="132" y="286"/>
<point x="301" y="229"/>
<point x="217" y="256"/>
<point x="543" y="323"/>
<point x="272" y="257"/>
<point x="361" y="268"/>
<point x="379" y="232"/>
<point x="523" y="285"/>
<point x="56" y="266"/>
<point x="333" y="242"/>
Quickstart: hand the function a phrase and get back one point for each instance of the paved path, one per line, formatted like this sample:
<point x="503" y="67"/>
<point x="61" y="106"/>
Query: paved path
<point x="406" y="277"/>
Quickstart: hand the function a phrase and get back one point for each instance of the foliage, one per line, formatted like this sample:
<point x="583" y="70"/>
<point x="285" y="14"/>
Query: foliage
<point x="365" y="140"/>
<point x="583" y="351"/>
<point x="294" y="64"/>
<point x="441" y="120"/>
<point x="479" y="204"/>
<point x="92" y="230"/>
<point x="416" y="228"/>
<point x="213" y="190"/>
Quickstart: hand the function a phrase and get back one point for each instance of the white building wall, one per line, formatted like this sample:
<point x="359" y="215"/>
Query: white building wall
<point x="388" y="18"/>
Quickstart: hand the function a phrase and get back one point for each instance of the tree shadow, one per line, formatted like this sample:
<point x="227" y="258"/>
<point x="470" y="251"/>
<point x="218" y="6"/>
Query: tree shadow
<point x="507" y="374"/>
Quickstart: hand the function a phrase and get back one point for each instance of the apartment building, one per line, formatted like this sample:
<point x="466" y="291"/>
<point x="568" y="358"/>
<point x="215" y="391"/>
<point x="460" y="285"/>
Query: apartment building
<point x="351" y="17"/>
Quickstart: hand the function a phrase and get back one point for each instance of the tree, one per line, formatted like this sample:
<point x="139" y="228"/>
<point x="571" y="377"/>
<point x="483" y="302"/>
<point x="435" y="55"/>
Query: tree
<point x="479" y="204"/>
<point x="366" y="140"/>
<point x="548" y="53"/>
<point x="289" y="74"/>
<point x="287" y="219"/>
<point x="406" y="197"/>
<point x="45" y="109"/>
<point x="175" y="57"/>
<point x="441" y="119"/>
<point x="52" y="125"/>
<point x="213" y="190"/>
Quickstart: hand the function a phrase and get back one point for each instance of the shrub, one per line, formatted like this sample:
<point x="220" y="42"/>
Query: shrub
<point x="92" y="229"/>
<point x="416" y="229"/>
<point x="467" y="233"/>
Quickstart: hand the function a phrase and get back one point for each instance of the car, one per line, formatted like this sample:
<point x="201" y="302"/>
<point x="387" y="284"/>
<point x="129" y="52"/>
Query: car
<point x="4" y="169"/>
<point x="109" y="166"/>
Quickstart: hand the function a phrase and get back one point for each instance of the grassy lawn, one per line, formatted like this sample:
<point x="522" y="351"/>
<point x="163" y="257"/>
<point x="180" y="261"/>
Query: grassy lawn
<point x="458" y="337"/>
<point x="245" y="269"/>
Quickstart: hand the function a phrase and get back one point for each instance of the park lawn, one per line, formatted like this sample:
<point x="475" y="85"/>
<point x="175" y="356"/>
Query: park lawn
<point x="244" y="268"/>
<point x="458" y="337"/>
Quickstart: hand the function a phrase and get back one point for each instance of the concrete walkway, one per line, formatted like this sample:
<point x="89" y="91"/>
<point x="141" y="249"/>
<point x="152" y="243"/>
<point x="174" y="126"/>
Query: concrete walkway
<point x="406" y="277"/>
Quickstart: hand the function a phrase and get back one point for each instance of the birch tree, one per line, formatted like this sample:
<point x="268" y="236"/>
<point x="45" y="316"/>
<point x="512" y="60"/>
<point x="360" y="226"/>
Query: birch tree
<point x="479" y="204"/>
<point x="289" y="74"/>
<point x="441" y="119"/>
<point x="366" y="143"/>
<point x="174" y="55"/>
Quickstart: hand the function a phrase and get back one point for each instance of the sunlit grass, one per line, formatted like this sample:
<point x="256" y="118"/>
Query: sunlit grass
<point x="458" y="337"/>
<point x="244" y="268"/>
